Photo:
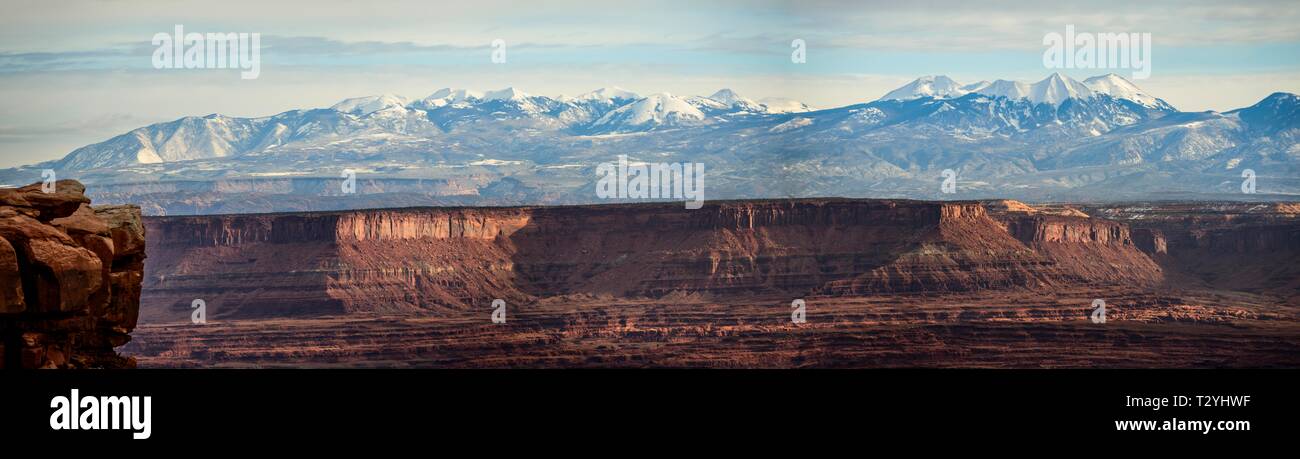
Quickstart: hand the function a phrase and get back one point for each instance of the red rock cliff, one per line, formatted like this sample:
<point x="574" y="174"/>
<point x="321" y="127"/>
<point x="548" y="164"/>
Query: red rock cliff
<point x="1084" y="250"/>
<point x="430" y="259"/>
<point x="70" y="278"/>
<point x="1242" y="246"/>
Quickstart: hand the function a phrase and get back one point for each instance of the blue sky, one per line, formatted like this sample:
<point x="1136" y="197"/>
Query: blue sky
<point x="73" y="73"/>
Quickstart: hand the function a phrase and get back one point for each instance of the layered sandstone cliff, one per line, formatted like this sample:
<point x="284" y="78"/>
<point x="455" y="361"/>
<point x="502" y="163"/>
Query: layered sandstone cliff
<point x="439" y="259"/>
<point x="1239" y="246"/>
<point x="70" y="277"/>
<point x="1084" y="250"/>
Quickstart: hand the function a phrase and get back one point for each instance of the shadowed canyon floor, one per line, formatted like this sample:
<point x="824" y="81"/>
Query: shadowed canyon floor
<point x="886" y="284"/>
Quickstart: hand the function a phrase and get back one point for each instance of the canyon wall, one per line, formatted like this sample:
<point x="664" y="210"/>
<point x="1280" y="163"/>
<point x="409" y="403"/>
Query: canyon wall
<point x="432" y="260"/>
<point x="1085" y="251"/>
<point x="1248" y="247"/>
<point x="70" y="278"/>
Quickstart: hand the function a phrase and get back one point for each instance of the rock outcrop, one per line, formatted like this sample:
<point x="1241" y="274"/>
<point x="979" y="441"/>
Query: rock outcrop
<point x="70" y="278"/>
<point x="421" y="260"/>
<point x="1083" y="250"/>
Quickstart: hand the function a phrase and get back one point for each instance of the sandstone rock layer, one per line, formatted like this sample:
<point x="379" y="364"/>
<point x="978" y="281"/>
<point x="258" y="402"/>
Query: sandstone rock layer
<point x="438" y="260"/>
<point x="885" y="283"/>
<point x="70" y="278"/>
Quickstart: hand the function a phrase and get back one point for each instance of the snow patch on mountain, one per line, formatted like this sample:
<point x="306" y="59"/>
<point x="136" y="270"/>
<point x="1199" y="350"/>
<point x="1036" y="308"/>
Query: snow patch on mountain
<point x="976" y="86"/>
<point x="736" y="101"/>
<point x="1053" y="90"/>
<point x="361" y="106"/>
<point x="1120" y="88"/>
<point x="1014" y="90"/>
<point x="657" y="110"/>
<point x="1057" y="88"/>
<point x="505" y="94"/>
<point x="447" y="96"/>
<point x="784" y="105"/>
<point x="793" y="124"/>
<point x="936" y="86"/>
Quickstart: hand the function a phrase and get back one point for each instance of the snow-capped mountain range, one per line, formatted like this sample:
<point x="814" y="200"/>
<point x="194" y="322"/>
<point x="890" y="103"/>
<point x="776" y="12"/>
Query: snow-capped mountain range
<point x="1054" y="90"/>
<point x="1102" y="138"/>
<point x="610" y="110"/>
<point x="603" y="111"/>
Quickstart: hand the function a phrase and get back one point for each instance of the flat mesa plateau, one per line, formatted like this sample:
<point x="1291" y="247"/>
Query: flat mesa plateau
<point x="885" y="283"/>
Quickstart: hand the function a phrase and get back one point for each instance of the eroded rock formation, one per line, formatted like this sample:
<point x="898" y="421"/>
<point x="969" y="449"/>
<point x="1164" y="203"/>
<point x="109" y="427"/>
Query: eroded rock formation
<point x="885" y="284"/>
<point x="70" y="277"/>
<point x="444" y="259"/>
<point x="1249" y="247"/>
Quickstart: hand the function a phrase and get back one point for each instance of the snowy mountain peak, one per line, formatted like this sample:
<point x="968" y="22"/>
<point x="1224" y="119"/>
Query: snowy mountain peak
<point x="1006" y="88"/>
<point x="1120" y="88"/>
<point x="1282" y="97"/>
<point x="650" y="112"/>
<point x="725" y="99"/>
<point x="1056" y="88"/>
<point x="728" y="97"/>
<point x="609" y="93"/>
<point x="1283" y="101"/>
<point x="456" y="95"/>
<point x="505" y="94"/>
<point x="366" y="105"/>
<point x="1112" y="84"/>
<point x="447" y="96"/>
<point x="518" y="103"/>
<point x="783" y="105"/>
<point x="1278" y="104"/>
<point x="937" y="86"/>
<point x="1279" y="111"/>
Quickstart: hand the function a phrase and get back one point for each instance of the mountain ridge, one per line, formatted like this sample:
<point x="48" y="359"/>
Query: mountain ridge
<point x="585" y="114"/>
<point x="465" y="147"/>
<point x="1053" y="90"/>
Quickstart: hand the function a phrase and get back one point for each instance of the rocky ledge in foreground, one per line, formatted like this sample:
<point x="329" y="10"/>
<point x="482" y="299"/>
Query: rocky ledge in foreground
<point x="69" y="278"/>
